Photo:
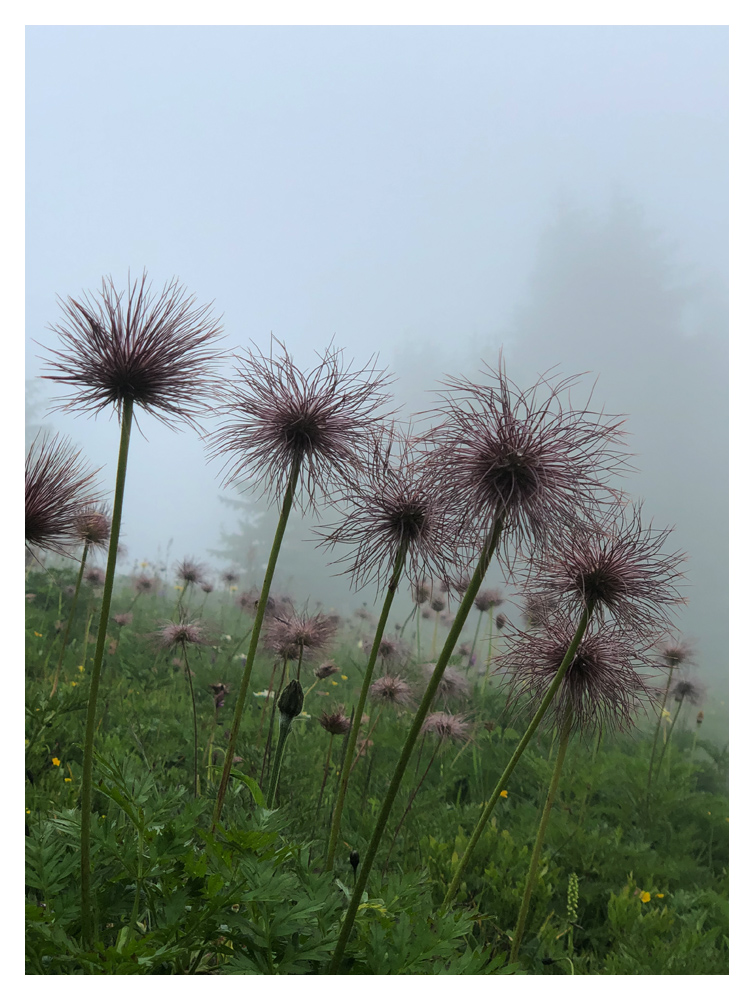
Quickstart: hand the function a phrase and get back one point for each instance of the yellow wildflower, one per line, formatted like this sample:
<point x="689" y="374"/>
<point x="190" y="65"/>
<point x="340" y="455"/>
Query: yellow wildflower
<point x="28" y="810"/>
<point x="74" y="684"/>
<point x="38" y="635"/>
<point x="67" y="779"/>
<point x="504" y="794"/>
<point x="81" y="668"/>
<point x="645" y="897"/>
<point x="56" y="761"/>
<point x="659" y="895"/>
<point x="334" y="682"/>
<point x="344" y="677"/>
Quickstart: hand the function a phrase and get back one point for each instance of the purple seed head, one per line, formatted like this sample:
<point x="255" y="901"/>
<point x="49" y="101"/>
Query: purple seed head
<point x="59" y="488"/>
<point x="155" y="351"/>
<point x="280" y="418"/>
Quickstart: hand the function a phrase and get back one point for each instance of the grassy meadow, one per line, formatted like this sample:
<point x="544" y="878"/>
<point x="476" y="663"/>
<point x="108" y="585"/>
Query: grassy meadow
<point x="628" y="883"/>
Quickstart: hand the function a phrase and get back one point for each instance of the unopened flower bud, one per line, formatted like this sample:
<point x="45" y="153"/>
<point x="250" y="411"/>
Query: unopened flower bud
<point x="291" y="700"/>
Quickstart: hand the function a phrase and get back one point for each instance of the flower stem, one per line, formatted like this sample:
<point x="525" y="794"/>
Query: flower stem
<point x="345" y="770"/>
<point x="670" y="733"/>
<point x="473" y="645"/>
<point x="70" y="619"/>
<point x="271" y="729"/>
<point x="324" y="776"/>
<point x="410" y="803"/>
<point x="87" y="922"/>
<point x="551" y="692"/>
<point x="261" y="607"/>
<point x="196" y="728"/>
<point x="657" y="732"/>
<point x="537" y="849"/>
<point x="488" y="550"/>
<point x="285" y="727"/>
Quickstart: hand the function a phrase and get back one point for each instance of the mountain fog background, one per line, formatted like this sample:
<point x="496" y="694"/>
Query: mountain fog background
<point x="433" y="195"/>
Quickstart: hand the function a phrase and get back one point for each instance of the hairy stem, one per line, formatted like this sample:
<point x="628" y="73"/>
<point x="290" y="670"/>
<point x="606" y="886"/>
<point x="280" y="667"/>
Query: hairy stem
<point x="488" y="550"/>
<point x="196" y="728"/>
<point x="70" y="619"/>
<point x="537" y="849"/>
<point x="657" y="731"/>
<point x="410" y="803"/>
<point x="495" y="797"/>
<point x="345" y="770"/>
<point x="285" y="727"/>
<point x="87" y="921"/>
<point x="261" y="607"/>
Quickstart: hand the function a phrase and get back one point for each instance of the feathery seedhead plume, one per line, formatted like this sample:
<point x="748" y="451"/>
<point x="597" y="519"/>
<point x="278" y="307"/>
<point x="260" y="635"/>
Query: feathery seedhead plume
<point x="446" y="727"/>
<point x="123" y="619"/>
<point x="95" y="576"/>
<point x="157" y="352"/>
<point x="335" y="723"/>
<point x="247" y="602"/>
<point x="603" y="684"/>
<point x="229" y="577"/>
<point x="293" y="634"/>
<point x="93" y="527"/>
<point x="59" y="487"/>
<point x="291" y="700"/>
<point x="181" y="634"/>
<point x="537" y="466"/>
<point x="500" y="621"/>
<point x="487" y="599"/>
<point x="396" y="502"/>
<point x="437" y="604"/>
<point x="619" y="570"/>
<point x="390" y="648"/>
<point x="676" y="653"/>
<point x="453" y="684"/>
<point x="326" y="669"/>
<point x="421" y="592"/>
<point x="688" y="690"/>
<point x="207" y="587"/>
<point x="190" y="571"/>
<point x="281" y="417"/>
<point x="143" y="584"/>
<point x="390" y="690"/>
<point x="537" y="608"/>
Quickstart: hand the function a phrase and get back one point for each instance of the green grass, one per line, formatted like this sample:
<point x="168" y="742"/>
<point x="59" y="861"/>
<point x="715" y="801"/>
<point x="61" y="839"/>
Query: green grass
<point x="254" y="899"/>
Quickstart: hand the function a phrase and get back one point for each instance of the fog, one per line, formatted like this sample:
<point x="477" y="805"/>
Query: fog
<point x="433" y="195"/>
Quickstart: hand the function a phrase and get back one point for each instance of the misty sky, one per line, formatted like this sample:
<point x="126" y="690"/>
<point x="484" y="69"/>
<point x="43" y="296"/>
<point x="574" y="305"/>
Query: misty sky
<point x="433" y="194"/>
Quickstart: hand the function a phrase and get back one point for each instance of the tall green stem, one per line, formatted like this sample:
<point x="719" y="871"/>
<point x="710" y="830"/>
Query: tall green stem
<point x="495" y="797"/>
<point x="285" y="727"/>
<point x="657" y="731"/>
<point x="261" y="608"/>
<point x="670" y="733"/>
<point x="488" y="550"/>
<point x="70" y="618"/>
<point x="196" y="727"/>
<point x="473" y="644"/>
<point x="87" y="923"/>
<point x="345" y="770"/>
<point x="537" y="849"/>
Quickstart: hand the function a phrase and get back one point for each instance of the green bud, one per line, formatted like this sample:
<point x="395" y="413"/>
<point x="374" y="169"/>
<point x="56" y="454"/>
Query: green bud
<point x="291" y="700"/>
